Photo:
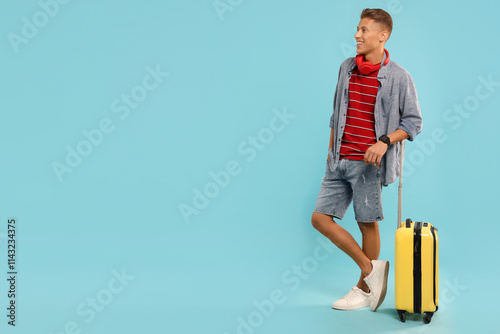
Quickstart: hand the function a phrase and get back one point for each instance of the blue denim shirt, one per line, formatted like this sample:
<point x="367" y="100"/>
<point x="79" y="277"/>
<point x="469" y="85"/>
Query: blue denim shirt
<point x="396" y="107"/>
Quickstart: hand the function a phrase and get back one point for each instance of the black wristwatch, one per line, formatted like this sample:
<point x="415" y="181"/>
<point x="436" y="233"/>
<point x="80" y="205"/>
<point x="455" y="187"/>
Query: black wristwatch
<point x="385" y="139"/>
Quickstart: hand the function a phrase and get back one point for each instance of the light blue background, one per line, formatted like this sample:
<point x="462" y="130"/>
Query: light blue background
<point x="119" y="208"/>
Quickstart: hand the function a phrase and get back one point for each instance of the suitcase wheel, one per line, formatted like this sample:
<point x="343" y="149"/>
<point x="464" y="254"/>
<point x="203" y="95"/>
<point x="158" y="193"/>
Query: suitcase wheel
<point x="428" y="317"/>
<point x="402" y="315"/>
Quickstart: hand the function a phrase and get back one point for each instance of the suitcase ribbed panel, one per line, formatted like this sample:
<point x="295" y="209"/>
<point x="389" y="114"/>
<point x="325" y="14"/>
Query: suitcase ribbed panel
<point x="428" y="270"/>
<point x="434" y="279"/>
<point x="436" y="272"/>
<point x="403" y="268"/>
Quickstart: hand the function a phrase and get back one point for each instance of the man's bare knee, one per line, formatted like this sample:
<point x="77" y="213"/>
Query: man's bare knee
<point x="368" y="227"/>
<point x="318" y="219"/>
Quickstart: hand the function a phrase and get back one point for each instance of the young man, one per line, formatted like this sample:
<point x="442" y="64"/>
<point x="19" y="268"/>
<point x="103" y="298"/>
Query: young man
<point x="375" y="107"/>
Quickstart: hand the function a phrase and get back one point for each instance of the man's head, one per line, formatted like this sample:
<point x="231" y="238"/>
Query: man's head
<point x="373" y="31"/>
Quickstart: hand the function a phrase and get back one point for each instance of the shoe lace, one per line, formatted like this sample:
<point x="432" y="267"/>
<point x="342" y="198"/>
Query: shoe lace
<point x="350" y="295"/>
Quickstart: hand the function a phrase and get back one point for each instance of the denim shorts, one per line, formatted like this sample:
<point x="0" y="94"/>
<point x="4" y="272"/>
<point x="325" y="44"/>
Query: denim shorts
<point x="351" y="181"/>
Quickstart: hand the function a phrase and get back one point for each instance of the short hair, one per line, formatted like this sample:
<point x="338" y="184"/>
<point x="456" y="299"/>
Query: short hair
<point x="379" y="16"/>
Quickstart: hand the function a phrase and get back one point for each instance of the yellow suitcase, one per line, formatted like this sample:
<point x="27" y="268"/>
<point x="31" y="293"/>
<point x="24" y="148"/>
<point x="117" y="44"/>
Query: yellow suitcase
<point x="417" y="269"/>
<point x="416" y="263"/>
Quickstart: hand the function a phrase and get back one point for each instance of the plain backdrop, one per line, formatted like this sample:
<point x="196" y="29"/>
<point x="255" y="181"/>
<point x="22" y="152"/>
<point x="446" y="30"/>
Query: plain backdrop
<point x="162" y="160"/>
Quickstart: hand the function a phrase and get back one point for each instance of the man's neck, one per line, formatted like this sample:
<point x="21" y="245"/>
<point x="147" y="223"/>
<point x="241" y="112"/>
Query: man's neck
<point x="375" y="57"/>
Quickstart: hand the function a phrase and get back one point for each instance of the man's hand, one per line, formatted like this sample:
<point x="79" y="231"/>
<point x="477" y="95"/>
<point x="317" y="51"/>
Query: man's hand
<point x="374" y="153"/>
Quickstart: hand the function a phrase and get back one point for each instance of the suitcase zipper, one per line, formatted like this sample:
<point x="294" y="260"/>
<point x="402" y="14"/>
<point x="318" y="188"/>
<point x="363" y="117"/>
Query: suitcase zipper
<point x="417" y="269"/>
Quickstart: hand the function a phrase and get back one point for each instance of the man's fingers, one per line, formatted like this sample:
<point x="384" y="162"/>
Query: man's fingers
<point x="373" y="156"/>
<point x="369" y="158"/>
<point x="373" y="159"/>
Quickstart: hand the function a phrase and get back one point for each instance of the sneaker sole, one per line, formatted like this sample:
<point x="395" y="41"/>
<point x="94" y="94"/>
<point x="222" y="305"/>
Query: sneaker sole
<point x="383" y="291"/>
<point x="350" y="308"/>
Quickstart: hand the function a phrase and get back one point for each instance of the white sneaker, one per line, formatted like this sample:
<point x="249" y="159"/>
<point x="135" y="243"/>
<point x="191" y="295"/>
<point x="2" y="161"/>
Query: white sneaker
<point x="377" y="282"/>
<point x="356" y="298"/>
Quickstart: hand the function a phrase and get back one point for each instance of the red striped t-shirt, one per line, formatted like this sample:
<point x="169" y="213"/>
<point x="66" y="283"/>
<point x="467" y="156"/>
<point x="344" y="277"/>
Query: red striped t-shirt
<point x="359" y="133"/>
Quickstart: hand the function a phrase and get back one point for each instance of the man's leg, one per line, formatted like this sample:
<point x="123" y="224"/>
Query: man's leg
<point x="343" y="240"/>
<point x="360" y="183"/>
<point x="371" y="247"/>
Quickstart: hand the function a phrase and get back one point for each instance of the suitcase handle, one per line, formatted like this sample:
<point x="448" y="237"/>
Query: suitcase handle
<point x="400" y="188"/>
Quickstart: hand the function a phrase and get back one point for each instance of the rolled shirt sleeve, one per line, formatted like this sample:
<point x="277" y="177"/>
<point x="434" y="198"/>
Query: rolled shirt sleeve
<point x="411" y="116"/>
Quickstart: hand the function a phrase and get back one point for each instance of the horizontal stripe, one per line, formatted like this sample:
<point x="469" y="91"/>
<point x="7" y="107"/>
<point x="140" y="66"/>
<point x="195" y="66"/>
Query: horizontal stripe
<point x="355" y="117"/>
<point x="371" y="95"/>
<point x="358" y="135"/>
<point x="371" y="104"/>
<point x="360" y="127"/>
<point x="361" y="119"/>
<point x="356" y="143"/>
<point x="352" y="148"/>
<point x="365" y="111"/>
<point x="370" y="86"/>
<point x="366" y="96"/>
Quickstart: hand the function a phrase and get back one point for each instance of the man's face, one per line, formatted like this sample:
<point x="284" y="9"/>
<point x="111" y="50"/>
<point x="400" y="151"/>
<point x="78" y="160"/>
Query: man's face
<point x="368" y="36"/>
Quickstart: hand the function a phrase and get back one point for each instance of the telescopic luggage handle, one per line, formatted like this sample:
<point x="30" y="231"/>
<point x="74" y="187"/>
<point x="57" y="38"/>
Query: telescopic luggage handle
<point x="400" y="188"/>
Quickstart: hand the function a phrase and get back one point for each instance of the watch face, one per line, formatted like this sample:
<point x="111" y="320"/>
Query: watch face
<point x="385" y="139"/>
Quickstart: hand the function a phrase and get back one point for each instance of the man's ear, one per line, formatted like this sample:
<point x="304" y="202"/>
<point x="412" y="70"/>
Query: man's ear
<point x="384" y="36"/>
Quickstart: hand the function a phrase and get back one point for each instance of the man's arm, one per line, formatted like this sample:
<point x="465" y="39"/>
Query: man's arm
<point x="374" y="153"/>
<point x="410" y="124"/>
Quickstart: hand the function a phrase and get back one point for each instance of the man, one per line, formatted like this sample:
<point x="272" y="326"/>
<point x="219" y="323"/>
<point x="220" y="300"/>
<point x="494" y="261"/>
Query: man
<point x="375" y="107"/>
